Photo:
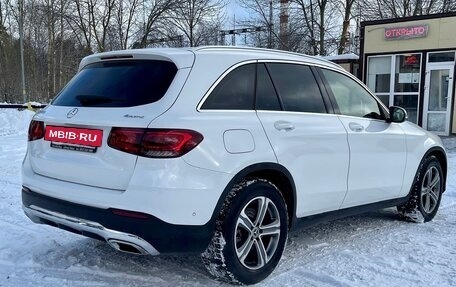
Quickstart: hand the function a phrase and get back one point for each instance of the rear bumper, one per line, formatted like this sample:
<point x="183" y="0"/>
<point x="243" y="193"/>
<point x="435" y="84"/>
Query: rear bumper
<point x="148" y="235"/>
<point x="90" y="229"/>
<point x="169" y="189"/>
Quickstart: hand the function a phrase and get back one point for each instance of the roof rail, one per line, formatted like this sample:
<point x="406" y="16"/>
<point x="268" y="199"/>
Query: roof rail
<point x="202" y="48"/>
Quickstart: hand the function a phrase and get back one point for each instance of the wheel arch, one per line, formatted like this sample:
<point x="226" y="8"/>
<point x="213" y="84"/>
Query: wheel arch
<point x="273" y="172"/>
<point x="440" y="154"/>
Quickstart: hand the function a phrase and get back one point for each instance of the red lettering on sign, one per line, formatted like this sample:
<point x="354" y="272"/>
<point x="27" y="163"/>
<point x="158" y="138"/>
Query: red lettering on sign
<point x="406" y="32"/>
<point x="86" y="137"/>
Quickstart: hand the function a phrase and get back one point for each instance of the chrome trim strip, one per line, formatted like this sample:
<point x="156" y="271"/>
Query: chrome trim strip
<point x="35" y="213"/>
<point x="334" y="67"/>
<point x="294" y="113"/>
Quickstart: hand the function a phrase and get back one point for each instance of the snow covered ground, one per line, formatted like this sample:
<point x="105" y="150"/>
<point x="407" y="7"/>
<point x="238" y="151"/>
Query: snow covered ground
<point x="375" y="249"/>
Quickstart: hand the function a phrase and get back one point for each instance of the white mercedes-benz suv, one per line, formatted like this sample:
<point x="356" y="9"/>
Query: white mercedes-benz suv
<point x="220" y="151"/>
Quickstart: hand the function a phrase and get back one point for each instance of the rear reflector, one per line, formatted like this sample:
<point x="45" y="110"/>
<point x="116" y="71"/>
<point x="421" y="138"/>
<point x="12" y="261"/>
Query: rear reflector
<point x="154" y="143"/>
<point x="36" y="130"/>
<point x="131" y="214"/>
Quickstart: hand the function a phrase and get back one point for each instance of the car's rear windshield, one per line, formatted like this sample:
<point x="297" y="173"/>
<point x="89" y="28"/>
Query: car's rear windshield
<point x="124" y="83"/>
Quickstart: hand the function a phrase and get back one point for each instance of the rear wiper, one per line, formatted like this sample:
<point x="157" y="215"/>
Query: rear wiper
<point x="91" y="100"/>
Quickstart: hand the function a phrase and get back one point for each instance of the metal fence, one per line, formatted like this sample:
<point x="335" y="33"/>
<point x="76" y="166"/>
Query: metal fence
<point x="22" y="106"/>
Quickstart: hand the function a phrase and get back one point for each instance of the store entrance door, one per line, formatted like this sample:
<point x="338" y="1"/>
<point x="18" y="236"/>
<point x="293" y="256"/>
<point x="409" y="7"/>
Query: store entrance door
<point x="438" y="94"/>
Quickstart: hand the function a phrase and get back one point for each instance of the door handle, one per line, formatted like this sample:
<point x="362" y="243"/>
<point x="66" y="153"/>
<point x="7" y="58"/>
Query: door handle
<point x="356" y="127"/>
<point x="283" y="125"/>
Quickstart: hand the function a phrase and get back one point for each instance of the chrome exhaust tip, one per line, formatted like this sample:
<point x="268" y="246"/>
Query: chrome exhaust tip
<point x="127" y="247"/>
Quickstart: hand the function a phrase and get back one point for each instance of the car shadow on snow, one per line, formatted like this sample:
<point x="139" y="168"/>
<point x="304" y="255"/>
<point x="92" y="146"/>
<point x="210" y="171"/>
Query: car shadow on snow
<point x="97" y="258"/>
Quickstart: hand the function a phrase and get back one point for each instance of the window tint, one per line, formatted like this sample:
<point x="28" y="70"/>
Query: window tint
<point x="352" y="98"/>
<point x="265" y="93"/>
<point x="235" y="91"/>
<point x="118" y="84"/>
<point x="297" y="88"/>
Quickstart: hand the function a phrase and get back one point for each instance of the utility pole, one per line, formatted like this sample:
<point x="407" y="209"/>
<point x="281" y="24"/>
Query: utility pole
<point x="233" y="37"/>
<point x="21" y="43"/>
<point x="241" y="31"/>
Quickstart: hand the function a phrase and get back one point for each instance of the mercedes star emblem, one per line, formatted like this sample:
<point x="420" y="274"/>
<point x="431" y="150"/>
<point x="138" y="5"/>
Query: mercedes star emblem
<point x="72" y="113"/>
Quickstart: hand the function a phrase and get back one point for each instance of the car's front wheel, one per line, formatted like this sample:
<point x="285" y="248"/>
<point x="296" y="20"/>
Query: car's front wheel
<point x="424" y="200"/>
<point x="251" y="233"/>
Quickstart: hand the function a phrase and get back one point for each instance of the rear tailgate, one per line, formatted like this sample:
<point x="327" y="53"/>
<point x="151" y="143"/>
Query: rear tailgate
<point x="75" y="147"/>
<point x="96" y="166"/>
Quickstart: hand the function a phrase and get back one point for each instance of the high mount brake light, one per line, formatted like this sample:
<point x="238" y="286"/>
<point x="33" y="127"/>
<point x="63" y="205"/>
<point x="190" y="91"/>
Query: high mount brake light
<point x="154" y="143"/>
<point x="36" y="130"/>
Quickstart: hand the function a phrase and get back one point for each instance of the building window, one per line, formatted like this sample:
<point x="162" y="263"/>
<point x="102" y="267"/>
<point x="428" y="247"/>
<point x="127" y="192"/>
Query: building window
<point x="407" y="75"/>
<point x="395" y="80"/>
<point x="441" y="57"/>
<point x="409" y="103"/>
<point x="379" y="75"/>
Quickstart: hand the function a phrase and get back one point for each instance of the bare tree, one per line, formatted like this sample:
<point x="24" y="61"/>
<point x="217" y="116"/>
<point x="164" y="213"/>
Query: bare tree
<point x="191" y="17"/>
<point x="101" y="14"/>
<point x="125" y="20"/>
<point x="347" y="6"/>
<point x="262" y="14"/>
<point x="62" y="26"/>
<point x="5" y="43"/>
<point x="80" y="23"/>
<point x="2" y="16"/>
<point x="315" y="15"/>
<point x="157" y="11"/>
<point x="50" y="17"/>
<point x="385" y="9"/>
<point x="448" y="6"/>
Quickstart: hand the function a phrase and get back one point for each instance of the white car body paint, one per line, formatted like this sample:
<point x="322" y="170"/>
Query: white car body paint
<point x="186" y="190"/>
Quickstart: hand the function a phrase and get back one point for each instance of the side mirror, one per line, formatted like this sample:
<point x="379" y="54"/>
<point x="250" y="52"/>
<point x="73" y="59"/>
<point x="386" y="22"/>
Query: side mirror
<point x="397" y="114"/>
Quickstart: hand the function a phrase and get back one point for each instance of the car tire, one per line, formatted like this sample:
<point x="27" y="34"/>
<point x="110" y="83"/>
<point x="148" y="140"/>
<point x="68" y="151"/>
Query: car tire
<point x="250" y="235"/>
<point x="426" y="193"/>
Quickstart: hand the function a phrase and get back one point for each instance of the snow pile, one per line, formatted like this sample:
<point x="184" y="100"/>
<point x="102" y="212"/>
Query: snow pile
<point x="13" y="121"/>
<point x="449" y="197"/>
<point x="343" y="57"/>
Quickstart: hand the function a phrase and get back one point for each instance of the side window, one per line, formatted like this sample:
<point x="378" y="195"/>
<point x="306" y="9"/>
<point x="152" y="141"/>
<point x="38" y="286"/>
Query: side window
<point x="235" y="91"/>
<point x="351" y="97"/>
<point x="297" y="88"/>
<point x="266" y="95"/>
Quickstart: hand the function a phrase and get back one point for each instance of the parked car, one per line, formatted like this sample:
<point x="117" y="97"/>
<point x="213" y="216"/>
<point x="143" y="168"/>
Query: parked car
<point x="220" y="151"/>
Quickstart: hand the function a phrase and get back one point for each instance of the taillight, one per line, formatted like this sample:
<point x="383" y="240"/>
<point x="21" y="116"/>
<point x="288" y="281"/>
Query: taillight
<point x="126" y="139"/>
<point x="36" y="130"/>
<point x="155" y="143"/>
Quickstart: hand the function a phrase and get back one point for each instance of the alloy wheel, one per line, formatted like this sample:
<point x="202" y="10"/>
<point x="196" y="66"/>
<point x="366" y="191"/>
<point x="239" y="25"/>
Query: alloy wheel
<point x="257" y="233"/>
<point x="430" y="190"/>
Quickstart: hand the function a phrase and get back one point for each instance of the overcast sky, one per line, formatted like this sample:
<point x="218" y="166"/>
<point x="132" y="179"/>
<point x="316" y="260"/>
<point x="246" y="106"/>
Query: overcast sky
<point x="233" y="8"/>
